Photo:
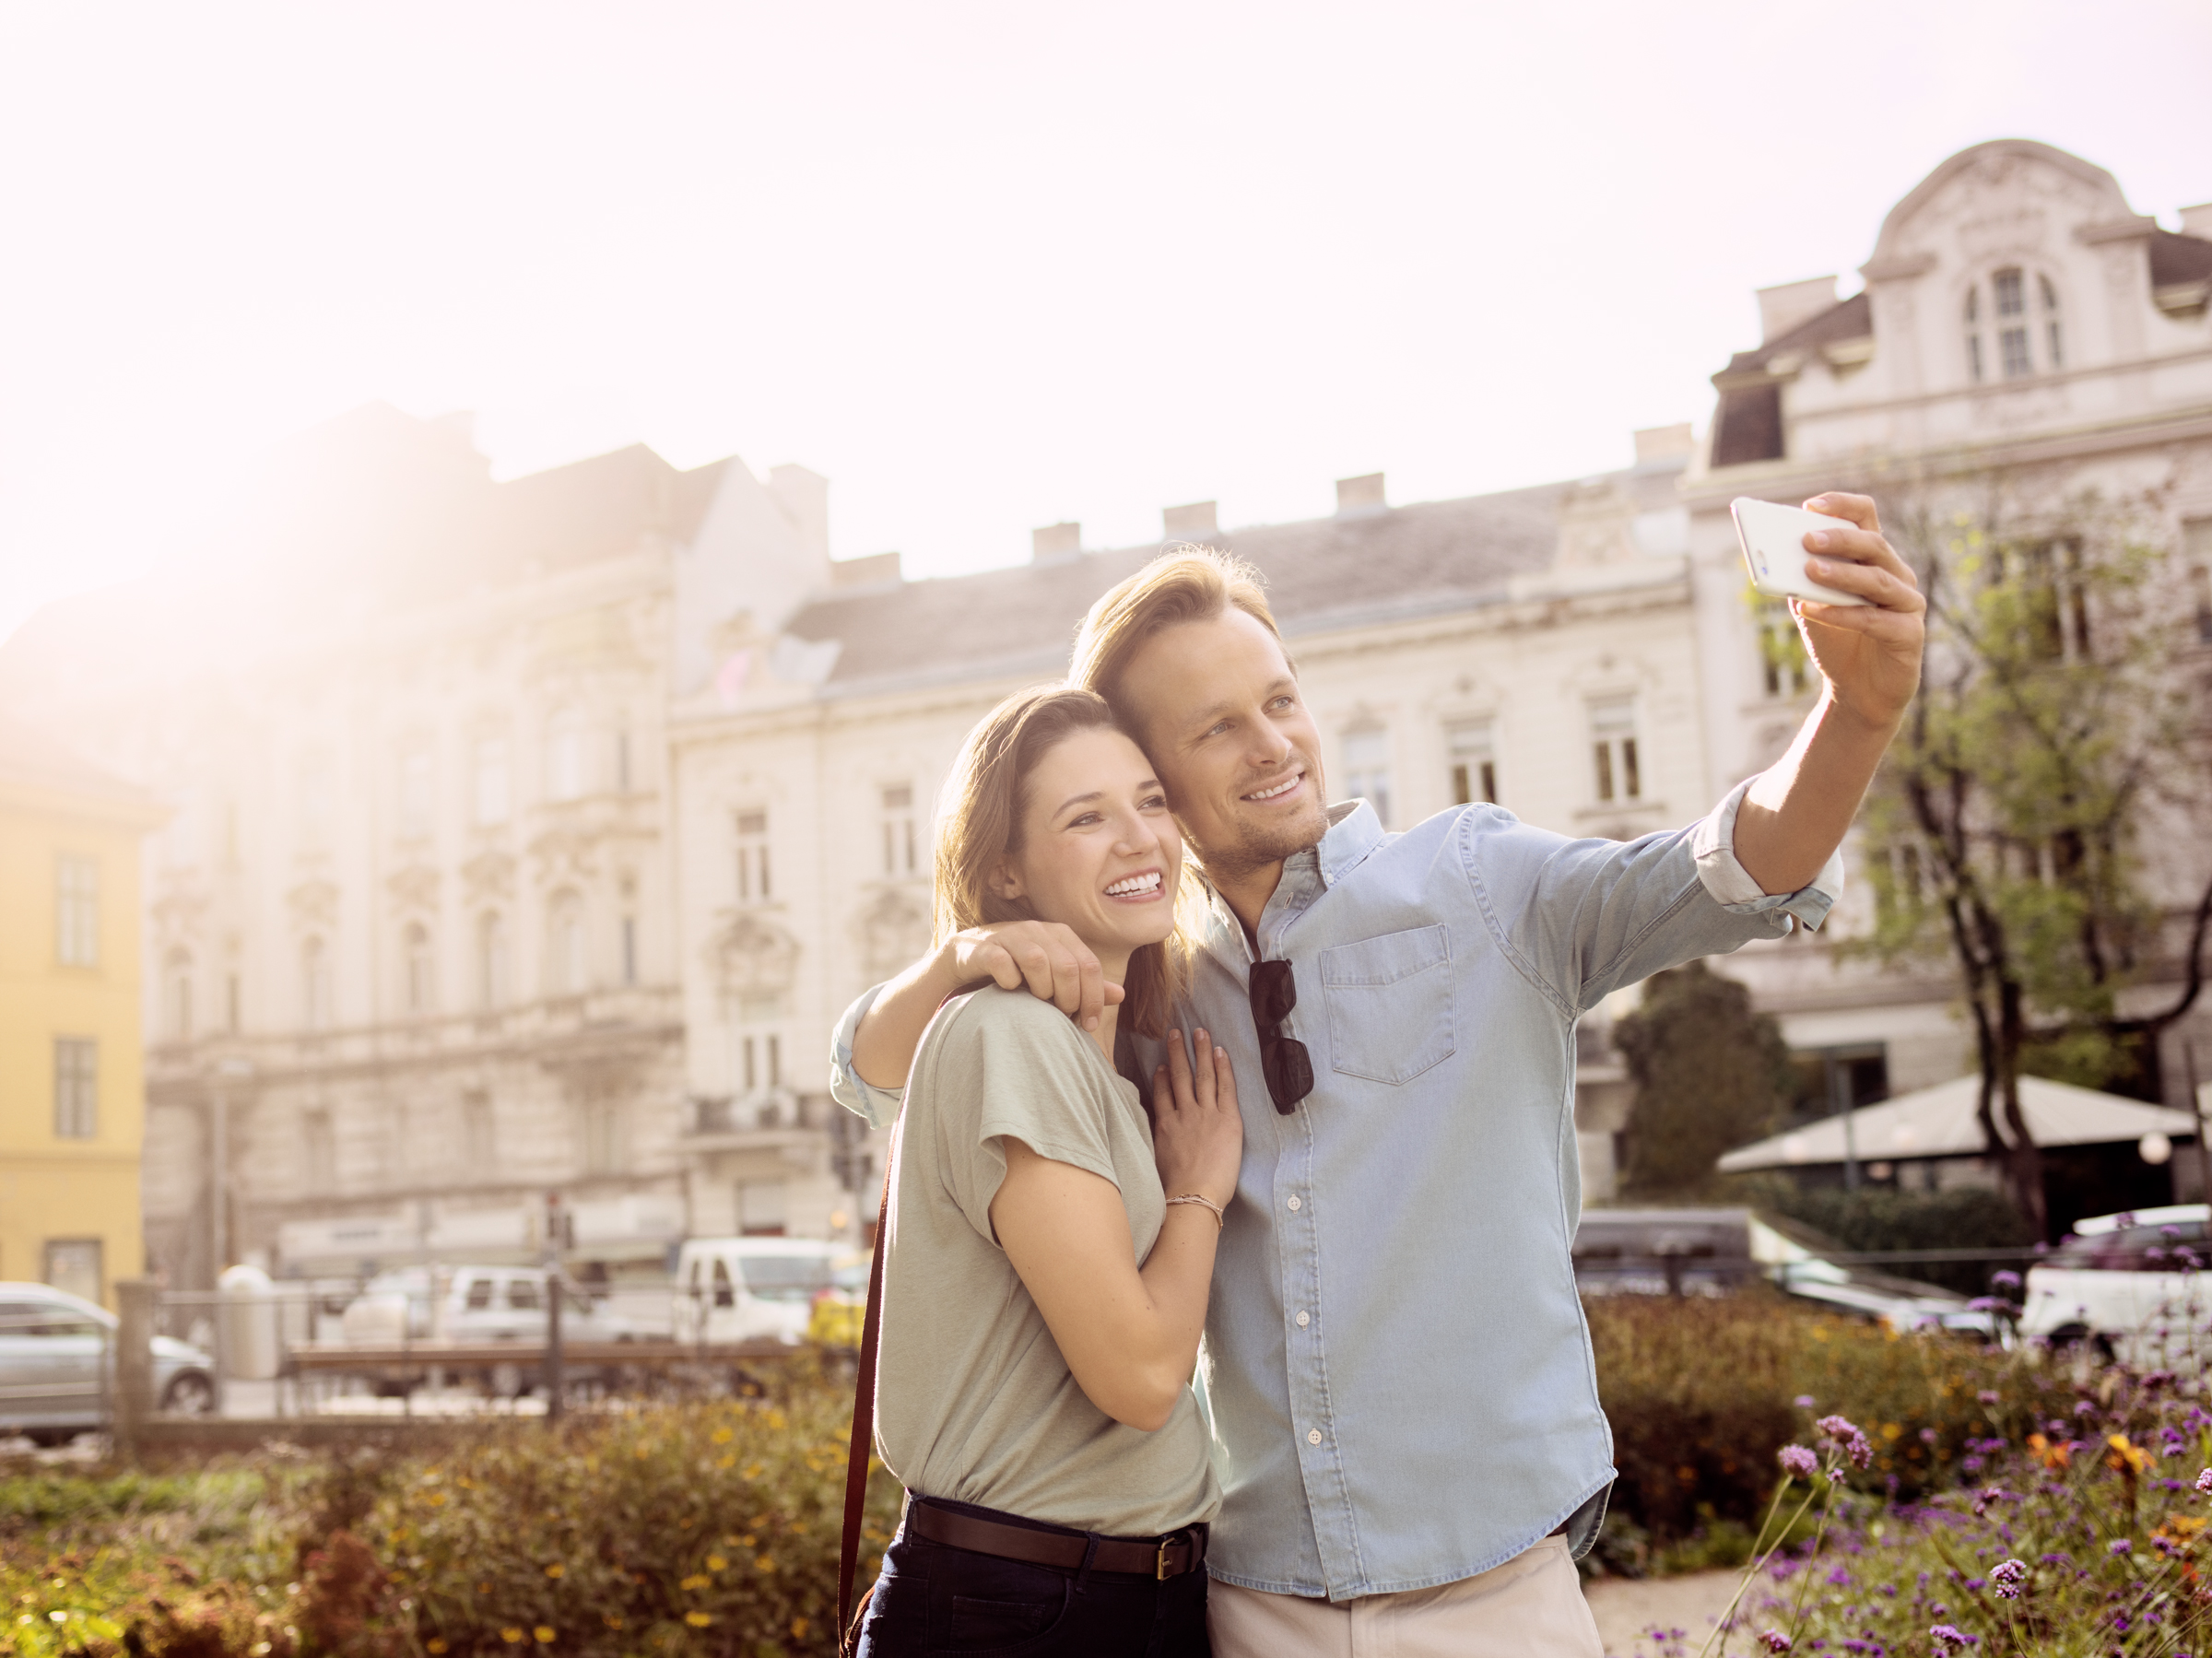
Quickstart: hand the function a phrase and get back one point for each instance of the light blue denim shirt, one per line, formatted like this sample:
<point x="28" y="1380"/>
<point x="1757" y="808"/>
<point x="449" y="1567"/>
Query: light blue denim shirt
<point x="1401" y="1380"/>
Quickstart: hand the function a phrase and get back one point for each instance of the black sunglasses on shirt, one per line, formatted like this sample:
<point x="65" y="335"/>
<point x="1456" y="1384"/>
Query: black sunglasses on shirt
<point x="1283" y="1059"/>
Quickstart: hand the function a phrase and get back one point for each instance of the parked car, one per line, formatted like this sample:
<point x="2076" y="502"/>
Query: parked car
<point x="58" y="1366"/>
<point x="2128" y="1285"/>
<point x="478" y="1305"/>
<point x="733" y="1290"/>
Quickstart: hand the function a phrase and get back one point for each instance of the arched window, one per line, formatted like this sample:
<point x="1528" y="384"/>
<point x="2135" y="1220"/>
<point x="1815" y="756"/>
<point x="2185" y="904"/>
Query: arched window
<point x="492" y="959"/>
<point x="564" y="945"/>
<point x="314" y="984"/>
<point x="176" y="994"/>
<point x="564" y="755"/>
<point x="414" y="953"/>
<point x="2015" y="331"/>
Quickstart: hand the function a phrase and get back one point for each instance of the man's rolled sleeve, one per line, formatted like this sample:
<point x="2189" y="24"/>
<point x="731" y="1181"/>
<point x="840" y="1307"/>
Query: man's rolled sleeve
<point x="1730" y="883"/>
<point x="847" y="1086"/>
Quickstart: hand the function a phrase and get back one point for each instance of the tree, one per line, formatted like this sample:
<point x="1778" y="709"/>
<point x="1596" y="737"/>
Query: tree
<point x="2038" y="821"/>
<point x="1709" y="1074"/>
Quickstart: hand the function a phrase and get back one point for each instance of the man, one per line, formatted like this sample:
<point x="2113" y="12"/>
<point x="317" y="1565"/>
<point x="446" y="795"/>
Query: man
<point x="1400" y="1377"/>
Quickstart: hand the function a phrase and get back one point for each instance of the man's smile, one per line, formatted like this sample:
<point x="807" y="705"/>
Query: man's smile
<point x="1276" y="791"/>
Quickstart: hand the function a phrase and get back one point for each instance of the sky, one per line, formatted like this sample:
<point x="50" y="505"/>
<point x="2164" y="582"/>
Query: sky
<point x="984" y="266"/>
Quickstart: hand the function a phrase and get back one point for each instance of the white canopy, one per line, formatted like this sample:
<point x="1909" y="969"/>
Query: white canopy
<point x="1940" y="1123"/>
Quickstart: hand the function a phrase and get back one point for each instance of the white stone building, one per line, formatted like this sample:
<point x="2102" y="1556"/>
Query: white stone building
<point x="2018" y="317"/>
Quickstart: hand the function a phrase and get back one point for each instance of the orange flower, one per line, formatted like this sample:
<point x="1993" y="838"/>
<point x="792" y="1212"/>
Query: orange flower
<point x="2057" y="1456"/>
<point x="2125" y="1458"/>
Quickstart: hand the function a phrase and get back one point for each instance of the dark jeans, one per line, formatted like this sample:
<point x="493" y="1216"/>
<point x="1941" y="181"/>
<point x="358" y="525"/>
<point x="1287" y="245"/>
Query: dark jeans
<point x="932" y="1600"/>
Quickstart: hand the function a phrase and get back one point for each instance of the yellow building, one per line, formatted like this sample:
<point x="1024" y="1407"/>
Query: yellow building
<point x="72" y="1088"/>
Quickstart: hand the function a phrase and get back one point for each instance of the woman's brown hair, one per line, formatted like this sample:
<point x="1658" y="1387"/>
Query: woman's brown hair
<point x="981" y="822"/>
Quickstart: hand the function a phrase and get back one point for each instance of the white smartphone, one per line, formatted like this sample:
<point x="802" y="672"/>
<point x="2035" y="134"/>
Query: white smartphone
<point x="1773" y="538"/>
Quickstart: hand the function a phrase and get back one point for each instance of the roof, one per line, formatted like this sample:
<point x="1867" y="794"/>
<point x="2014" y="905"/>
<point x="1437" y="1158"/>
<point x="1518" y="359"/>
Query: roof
<point x="32" y="757"/>
<point x="1327" y="572"/>
<point x="1851" y="319"/>
<point x="2178" y="259"/>
<point x="1940" y="1123"/>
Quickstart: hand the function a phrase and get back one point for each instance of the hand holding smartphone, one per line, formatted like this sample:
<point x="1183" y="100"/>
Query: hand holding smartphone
<point x="1773" y="542"/>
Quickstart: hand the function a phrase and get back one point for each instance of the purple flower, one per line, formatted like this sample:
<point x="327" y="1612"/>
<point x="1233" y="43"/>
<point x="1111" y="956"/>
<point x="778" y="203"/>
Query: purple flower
<point x="1798" y="1462"/>
<point x="2204" y="1481"/>
<point x="1774" y="1640"/>
<point x="2121" y="1546"/>
<point x="2009" y="1576"/>
<point x="2005" y="1279"/>
<point x="1950" y="1640"/>
<point x="1989" y="1395"/>
<point x="1803" y="1402"/>
<point x="1842" y="1435"/>
<point x="2083" y="1407"/>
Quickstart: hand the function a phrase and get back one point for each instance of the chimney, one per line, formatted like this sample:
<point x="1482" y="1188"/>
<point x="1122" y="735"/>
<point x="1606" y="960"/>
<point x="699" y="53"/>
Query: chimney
<point x="805" y="497"/>
<point x="1360" y="497"/>
<point x="1783" y="306"/>
<point x="1658" y="447"/>
<point x="1055" y="542"/>
<point x="2197" y="220"/>
<point x="878" y="570"/>
<point x="1197" y="521"/>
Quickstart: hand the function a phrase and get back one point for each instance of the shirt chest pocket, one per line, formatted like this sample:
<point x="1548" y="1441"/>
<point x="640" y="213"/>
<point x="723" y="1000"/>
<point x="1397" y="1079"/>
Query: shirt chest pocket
<point x="1390" y="1003"/>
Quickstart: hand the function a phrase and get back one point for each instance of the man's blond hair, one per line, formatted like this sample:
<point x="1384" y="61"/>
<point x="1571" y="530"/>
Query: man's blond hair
<point x="1183" y="584"/>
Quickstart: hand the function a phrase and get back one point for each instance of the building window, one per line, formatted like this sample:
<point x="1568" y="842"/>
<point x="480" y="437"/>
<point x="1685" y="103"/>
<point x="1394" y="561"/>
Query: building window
<point x="629" y="929"/>
<point x="1366" y="769"/>
<point x="491" y="794"/>
<point x="234" y="999"/>
<point x="602" y="1137"/>
<point x="1471" y="745"/>
<point x="74" y="1266"/>
<point x="176" y="994"/>
<point x="76" y="912"/>
<point x="479" y="1132"/>
<point x="314" y="984"/>
<point x="564" y="943"/>
<point x="1783" y="663"/>
<point x="76" y="1087"/>
<point x="414" y="953"/>
<point x="315" y="805"/>
<point x="2051" y="330"/>
<point x="623" y="777"/>
<point x="319" y="1144"/>
<point x="492" y="959"/>
<point x="899" y="836"/>
<point x="2196" y="547"/>
<point x="1974" y="332"/>
<point x="415" y="807"/>
<point x="753" y="875"/>
<point x="760" y="1209"/>
<point x="1619" y="774"/>
<point x="564" y="756"/>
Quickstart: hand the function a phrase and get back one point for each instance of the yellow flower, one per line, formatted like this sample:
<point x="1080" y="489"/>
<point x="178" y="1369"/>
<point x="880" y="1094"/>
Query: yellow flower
<point x="716" y="1563"/>
<point x="1891" y="1430"/>
<point x="557" y="1570"/>
<point x="435" y="1645"/>
<point x="753" y="1472"/>
<point x="798" y="1629"/>
<point x="697" y="1621"/>
<point x="511" y="1636"/>
<point x="727" y="1462"/>
<point x="2126" y="1456"/>
<point x="697" y="1581"/>
<point x="765" y="1562"/>
<point x="544" y="1633"/>
<point x="777" y="1421"/>
<point x="722" y="1436"/>
<point x="644" y="1452"/>
<point x="611" y="1621"/>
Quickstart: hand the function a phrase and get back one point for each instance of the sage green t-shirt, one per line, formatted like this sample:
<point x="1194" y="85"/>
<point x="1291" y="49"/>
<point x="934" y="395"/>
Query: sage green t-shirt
<point x="973" y="1401"/>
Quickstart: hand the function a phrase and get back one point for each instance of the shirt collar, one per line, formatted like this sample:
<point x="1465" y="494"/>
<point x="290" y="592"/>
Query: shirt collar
<point x="1354" y="832"/>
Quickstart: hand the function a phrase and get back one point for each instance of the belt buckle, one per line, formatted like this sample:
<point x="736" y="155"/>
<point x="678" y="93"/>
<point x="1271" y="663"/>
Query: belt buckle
<point x="1159" y="1572"/>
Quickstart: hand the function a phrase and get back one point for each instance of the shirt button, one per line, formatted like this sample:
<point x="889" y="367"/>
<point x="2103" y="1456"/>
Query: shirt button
<point x="1313" y="1436"/>
<point x="1305" y="1319"/>
<point x="1294" y="1205"/>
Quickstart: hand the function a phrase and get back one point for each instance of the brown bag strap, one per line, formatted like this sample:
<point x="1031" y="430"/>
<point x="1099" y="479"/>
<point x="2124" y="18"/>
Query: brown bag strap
<point x="864" y="1432"/>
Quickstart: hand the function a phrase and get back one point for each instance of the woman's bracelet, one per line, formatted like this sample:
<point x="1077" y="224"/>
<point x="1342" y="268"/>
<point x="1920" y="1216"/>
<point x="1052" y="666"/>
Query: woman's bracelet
<point x="1220" y="1216"/>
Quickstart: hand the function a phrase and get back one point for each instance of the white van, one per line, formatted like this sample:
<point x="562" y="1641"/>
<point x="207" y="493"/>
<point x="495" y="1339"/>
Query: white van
<point x="731" y="1290"/>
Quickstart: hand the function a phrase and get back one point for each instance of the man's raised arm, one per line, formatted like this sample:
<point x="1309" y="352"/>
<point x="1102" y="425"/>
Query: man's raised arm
<point x="1799" y="809"/>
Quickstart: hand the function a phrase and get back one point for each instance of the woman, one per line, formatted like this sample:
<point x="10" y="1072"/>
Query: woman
<point x="1048" y="1253"/>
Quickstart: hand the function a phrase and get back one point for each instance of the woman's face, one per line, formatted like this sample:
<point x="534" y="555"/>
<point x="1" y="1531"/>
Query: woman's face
<point x="1099" y="852"/>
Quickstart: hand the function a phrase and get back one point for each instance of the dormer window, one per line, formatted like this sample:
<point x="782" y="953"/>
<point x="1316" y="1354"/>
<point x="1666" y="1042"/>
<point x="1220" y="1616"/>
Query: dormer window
<point x="2015" y="340"/>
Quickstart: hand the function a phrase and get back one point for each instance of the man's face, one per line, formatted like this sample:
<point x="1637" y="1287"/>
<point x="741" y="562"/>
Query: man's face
<point x="1225" y="725"/>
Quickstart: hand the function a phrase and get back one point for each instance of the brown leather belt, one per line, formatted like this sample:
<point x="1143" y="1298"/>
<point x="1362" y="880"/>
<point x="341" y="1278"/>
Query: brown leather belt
<point x="1167" y="1556"/>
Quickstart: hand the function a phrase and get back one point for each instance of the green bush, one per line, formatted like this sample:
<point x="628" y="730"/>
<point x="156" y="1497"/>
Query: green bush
<point x="1700" y="1394"/>
<point x="675" y="1530"/>
<point x="1876" y="1218"/>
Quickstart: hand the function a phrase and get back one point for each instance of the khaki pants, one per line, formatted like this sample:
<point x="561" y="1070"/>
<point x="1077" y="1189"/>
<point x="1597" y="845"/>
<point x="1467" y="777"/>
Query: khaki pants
<point x="1530" y="1607"/>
